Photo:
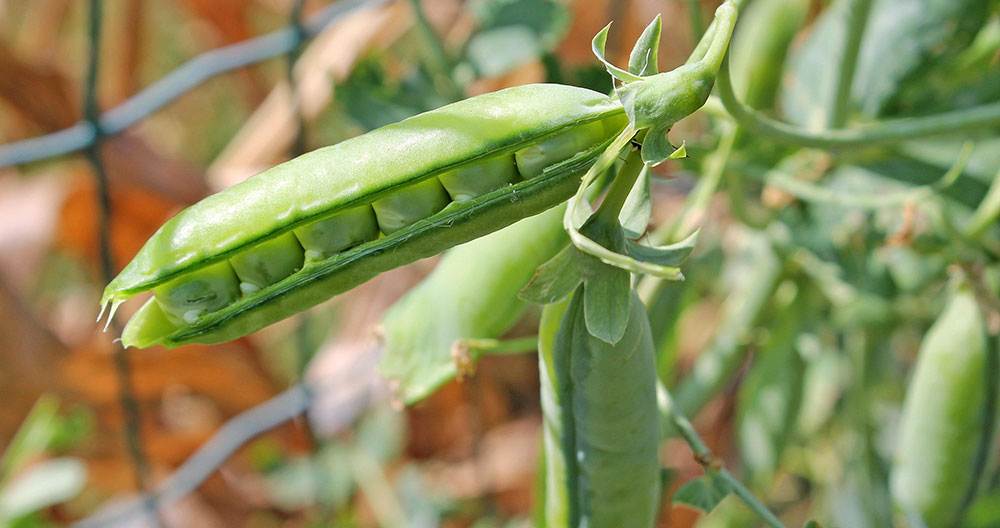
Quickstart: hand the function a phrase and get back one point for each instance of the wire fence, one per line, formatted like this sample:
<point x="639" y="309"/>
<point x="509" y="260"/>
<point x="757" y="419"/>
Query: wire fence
<point x="87" y="136"/>
<point x="174" y="84"/>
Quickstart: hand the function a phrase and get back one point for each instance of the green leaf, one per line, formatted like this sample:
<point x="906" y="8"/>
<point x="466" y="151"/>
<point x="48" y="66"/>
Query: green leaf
<point x="638" y="207"/>
<point x="643" y="58"/>
<point x="606" y="300"/>
<point x="547" y="19"/>
<point x="672" y="255"/>
<point x="703" y="493"/>
<point x="554" y="280"/>
<point x="498" y="51"/>
<point x="597" y="45"/>
<point x="902" y="37"/>
<point x="607" y="289"/>
<point x="656" y="148"/>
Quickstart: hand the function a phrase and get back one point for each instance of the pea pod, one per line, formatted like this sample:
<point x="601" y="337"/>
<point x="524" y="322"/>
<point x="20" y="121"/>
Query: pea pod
<point x="556" y="506"/>
<point x="472" y="293"/>
<point x="608" y="415"/>
<point x="943" y="427"/>
<point x="384" y="168"/>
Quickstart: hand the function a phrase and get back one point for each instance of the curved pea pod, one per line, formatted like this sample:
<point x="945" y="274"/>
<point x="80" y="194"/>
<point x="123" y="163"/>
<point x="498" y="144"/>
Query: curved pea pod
<point x="472" y="294"/>
<point x="944" y="427"/>
<point x="607" y="399"/>
<point x="357" y="172"/>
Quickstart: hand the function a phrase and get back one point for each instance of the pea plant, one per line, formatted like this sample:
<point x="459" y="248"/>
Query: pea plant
<point x="858" y="160"/>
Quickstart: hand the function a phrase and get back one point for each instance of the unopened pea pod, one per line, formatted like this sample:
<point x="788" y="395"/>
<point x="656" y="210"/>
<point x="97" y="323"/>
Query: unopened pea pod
<point x="943" y="427"/>
<point x="355" y="173"/>
<point x="556" y="507"/>
<point x="608" y="420"/>
<point x="472" y="294"/>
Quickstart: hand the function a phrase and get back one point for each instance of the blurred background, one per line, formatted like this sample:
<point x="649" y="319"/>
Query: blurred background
<point x="816" y="297"/>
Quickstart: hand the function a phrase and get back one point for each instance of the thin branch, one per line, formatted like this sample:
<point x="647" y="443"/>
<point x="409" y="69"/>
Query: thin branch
<point x="887" y="131"/>
<point x="123" y="369"/>
<point x="712" y="464"/>
<point x="857" y="20"/>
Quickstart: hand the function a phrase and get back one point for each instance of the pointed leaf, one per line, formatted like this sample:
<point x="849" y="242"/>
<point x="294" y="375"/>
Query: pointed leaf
<point x="703" y="493"/>
<point x="597" y="45"/>
<point x="637" y="209"/>
<point x="554" y="280"/>
<point x="643" y="59"/>
<point x="606" y="300"/>
<point x="656" y="148"/>
<point x="607" y="289"/>
<point x="672" y="255"/>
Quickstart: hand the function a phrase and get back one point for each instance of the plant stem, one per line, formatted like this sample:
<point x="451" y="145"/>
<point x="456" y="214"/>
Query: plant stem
<point x="621" y="187"/>
<point x="883" y="132"/>
<point x="987" y="213"/>
<point x="857" y="19"/>
<point x="694" y="15"/>
<point x="439" y="63"/>
<point x="499" y="347"/>
<point x="123" y="368"/>
<point x="710" y="463"/>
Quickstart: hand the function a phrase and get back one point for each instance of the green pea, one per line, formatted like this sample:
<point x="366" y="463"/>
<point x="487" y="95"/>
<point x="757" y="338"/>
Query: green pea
<point x="328" y="236"/>
<point x="406" y="206"/>
<point x="185" y="299"/>
<point x="942" y="431"/>
<point x="475" y="179"/>
<point x="267" y="263"/>
<point x="531" y="161"/>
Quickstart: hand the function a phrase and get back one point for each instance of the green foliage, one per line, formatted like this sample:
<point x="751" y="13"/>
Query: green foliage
<point x="703" y="493"/>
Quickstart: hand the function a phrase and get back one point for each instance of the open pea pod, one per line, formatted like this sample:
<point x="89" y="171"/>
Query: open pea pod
<point x="299" y="233"/>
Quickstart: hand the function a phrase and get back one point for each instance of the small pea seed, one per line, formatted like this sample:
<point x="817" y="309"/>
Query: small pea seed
<point x="476" y="179"/>
<point x="406" y="206"/>
<point x="531" y="161"/>
<point x="344" y="230"/>
<point x="185" y="299"/>
<point x="267" y="263"/>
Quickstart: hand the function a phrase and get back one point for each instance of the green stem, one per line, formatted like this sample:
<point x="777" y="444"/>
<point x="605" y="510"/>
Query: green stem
<point x="857" y="19"/>
<point x="694" y="15"/>
<point x="710" y="463"/>
<point x="439" y="62"/>
<point x="709" y="35"/>
<point x="622" y="185"/>
<point x="696" y="203"/>
<point x="499" y="347"/>
<point x="987" y="213"/>
<point x="883" y="132"/>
